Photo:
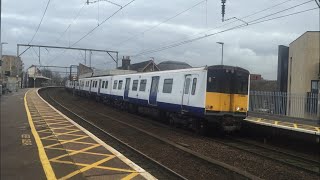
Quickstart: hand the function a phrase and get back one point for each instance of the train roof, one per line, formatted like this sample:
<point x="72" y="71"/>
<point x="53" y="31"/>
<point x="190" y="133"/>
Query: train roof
<point x="181" y="70"/>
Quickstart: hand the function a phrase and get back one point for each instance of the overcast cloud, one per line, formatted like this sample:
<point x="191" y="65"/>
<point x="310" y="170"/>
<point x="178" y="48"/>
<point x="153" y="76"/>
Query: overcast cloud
<point x="252" y="47"/>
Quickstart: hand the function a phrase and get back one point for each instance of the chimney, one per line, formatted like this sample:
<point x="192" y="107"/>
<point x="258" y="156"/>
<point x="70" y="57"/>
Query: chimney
<point x="126" y="63"/>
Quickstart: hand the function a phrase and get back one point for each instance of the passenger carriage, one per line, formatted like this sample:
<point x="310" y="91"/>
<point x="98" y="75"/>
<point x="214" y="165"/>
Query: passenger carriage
<point x="195" y="97"/>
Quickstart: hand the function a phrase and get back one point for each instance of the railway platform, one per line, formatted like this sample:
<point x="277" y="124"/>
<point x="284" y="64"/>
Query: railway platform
<point x="39" y="142"/>
<point x="311" y="127"/>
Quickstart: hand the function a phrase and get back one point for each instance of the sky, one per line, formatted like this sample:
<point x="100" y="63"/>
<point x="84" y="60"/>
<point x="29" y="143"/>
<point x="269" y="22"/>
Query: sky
<point x="146" y="25"/>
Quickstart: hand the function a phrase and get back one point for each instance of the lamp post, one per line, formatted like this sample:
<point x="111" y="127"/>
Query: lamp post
<point x="222" y="52"/>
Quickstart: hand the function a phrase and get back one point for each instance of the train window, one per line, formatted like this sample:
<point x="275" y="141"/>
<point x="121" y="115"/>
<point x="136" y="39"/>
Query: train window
<point x="167" y="86"/>
<point x="115" y="83"/>
<point x="106" y="85"/>
<point x="143" y="84"/>
<point x="194" y="86"/>
<point x="187" y="86"/>
<point x="120" y="84"/>
<point x="135" y="85"/>
<point x="103" y="82"/>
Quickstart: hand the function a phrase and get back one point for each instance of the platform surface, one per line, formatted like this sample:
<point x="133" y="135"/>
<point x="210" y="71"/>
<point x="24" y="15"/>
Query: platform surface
<point x="39" y="142"/>
<point x="313" y="129"/>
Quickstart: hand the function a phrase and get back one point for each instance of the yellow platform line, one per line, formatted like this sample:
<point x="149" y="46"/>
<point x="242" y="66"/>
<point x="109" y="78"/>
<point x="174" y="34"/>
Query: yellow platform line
<point x="42" y="154"/>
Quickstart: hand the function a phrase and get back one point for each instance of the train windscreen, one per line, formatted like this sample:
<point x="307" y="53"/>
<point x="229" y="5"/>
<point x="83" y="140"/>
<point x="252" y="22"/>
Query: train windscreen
<point x="227" y="80"/>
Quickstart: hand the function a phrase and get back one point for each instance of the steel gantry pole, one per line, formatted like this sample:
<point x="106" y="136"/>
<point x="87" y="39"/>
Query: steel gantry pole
<point x="221" y="51"/>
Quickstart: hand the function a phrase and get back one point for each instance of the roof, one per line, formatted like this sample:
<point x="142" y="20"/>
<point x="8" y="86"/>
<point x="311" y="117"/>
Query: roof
<point x="142" y="65"/>
<point x="304" y="34"/>
<point x="171" y="65"/>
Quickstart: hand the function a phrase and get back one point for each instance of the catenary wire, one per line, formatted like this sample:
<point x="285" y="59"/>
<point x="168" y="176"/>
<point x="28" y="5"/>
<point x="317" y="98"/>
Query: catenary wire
<point x="225" y="24"/>
<point x="40" y="21"/>
<point x="229" y="29"/>
<point x="160" y="23"/>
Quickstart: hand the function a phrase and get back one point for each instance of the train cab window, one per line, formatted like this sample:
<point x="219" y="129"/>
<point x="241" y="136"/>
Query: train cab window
<point x="106" y="85"/>
<point x="194" y="86"/>
<point x="187" y="86"/>
<point x="167" y="86"/>
<point x="135" y="85"/>
<point x="120" y="84"/>
<point x="143" y="84"/>
<point x="103" y="82"/>
<point x="115" y="83"/>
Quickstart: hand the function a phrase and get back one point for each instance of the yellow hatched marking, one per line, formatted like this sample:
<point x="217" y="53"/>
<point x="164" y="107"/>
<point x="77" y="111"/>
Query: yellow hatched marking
<point x="67" y="141"/>
<point x="42" y="153"/>
<point x="54" y="120"/>
<point x="276" y="122"/>
<point x="295" y="126"/>
<point x="75" y="152"/>
<point x="86" y="168"/>
<point x="51" y="139"/>
<point x="44" y="130"/>
<point x="59" y="134"/>
<point x="317" y="129"/>
<point x="57" y="122"/>
<point x="79" y="142"/>
<point x="63" y="127"/>
<point x="130" y="176"/>
<point x="98" y="167"/>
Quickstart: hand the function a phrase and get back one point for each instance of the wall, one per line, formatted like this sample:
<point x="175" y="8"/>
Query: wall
<point x="303" y="63"/>
<point x="12" y="64"/>
<point x="303" y="66"/>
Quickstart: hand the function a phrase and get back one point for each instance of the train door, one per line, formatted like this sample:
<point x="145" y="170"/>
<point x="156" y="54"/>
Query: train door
<point x="126" y="89"/>
<point x="186" y="92"/>
<point x="99" y="86"/>
<point x="154" y="90"/>
<point x="90" y="86"/>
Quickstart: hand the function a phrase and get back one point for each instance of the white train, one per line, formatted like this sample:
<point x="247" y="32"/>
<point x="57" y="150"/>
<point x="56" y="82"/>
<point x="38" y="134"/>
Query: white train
<point x="195" y="97"/>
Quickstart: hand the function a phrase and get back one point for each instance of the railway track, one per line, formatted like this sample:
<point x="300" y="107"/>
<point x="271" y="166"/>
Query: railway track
<point x="197" y="162"/>
<point x="285" y="158"/>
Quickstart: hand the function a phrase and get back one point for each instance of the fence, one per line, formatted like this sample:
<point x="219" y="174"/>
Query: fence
<point x="305" y="105"/>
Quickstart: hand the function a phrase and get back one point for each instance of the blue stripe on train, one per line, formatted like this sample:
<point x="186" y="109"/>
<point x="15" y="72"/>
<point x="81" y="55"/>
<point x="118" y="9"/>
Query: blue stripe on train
<point x="195" y="111"/>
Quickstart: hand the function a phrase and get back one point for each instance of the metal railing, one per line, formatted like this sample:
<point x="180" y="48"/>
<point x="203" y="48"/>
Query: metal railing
<point x="304" y="105"/>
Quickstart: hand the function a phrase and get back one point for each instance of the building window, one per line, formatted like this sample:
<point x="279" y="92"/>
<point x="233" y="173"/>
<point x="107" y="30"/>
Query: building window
<point x="120" y="84"/>
<point x="315" y="86"/>
<point x="115" y="84"/>
<point x="167" y="86"/>
<point x="187" y="86"/>
<point x="194" y="86"/>
<point x="143" y="84"/>
<point x="106" y="85"/>
<point x="135" y="85"/>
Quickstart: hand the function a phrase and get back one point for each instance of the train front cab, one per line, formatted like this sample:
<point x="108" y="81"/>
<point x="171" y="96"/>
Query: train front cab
<point x="226" y="96"/>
